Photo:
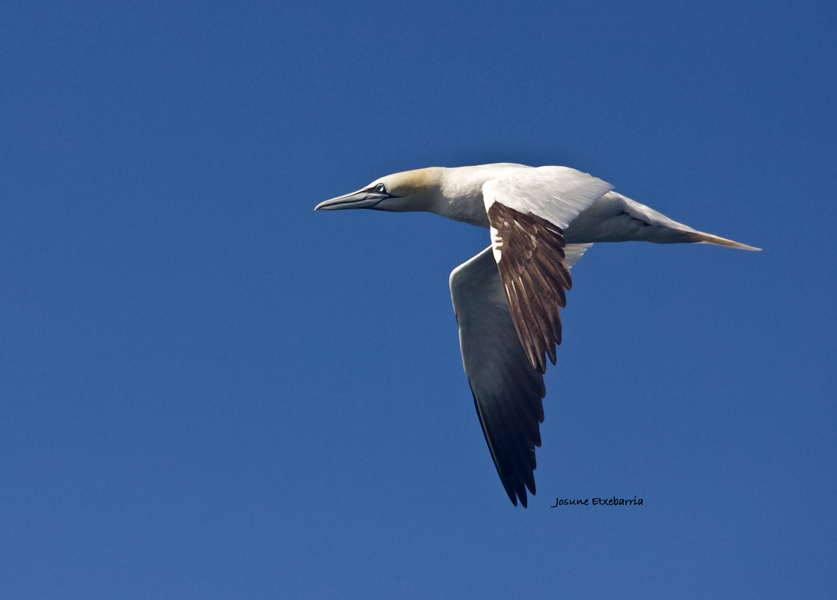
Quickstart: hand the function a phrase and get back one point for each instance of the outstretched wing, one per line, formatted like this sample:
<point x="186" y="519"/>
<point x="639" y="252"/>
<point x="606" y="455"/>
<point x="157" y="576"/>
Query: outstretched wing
<point x="527" y="215"/>
<point x="508" y="391"/>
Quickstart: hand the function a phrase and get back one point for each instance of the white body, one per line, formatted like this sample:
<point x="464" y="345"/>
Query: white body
<point x="507" y="297"/>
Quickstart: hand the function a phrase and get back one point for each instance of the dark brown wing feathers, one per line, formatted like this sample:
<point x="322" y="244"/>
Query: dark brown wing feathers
<point x="535" y="278"/>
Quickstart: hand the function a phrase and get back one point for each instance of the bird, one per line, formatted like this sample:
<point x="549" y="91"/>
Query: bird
<point x="507" y="298"/>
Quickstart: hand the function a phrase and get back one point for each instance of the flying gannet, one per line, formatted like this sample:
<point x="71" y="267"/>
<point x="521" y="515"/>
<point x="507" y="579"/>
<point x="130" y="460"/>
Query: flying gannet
<point x="507" y="297"/>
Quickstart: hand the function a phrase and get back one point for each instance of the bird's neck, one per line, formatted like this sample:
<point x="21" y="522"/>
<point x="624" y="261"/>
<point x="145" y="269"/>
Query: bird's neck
<point x="458" y="196"/>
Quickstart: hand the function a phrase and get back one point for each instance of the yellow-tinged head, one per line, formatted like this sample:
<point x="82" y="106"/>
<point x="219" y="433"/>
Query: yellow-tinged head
<point x="400" y="192"/>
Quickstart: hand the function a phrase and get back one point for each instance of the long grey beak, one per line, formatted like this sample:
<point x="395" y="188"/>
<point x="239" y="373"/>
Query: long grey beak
<point x="358" y="199"/>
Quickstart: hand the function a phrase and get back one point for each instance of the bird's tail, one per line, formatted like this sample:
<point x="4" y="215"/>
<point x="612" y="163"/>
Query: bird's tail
<point x="699" y="237"/>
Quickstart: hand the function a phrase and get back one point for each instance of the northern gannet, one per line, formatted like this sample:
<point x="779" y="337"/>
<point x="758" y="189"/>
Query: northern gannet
<point x="507" y="297"/>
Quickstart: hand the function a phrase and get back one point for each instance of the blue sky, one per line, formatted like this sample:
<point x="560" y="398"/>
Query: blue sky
<point x="207" y="390"/>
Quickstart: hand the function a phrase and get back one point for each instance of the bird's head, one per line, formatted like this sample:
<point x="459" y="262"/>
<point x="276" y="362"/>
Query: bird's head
<point x="400" y="192"/>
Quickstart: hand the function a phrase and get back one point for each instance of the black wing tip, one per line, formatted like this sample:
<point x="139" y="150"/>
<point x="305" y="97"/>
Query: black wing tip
<point x="514" y="495"/>
<point x="516" y="486"/>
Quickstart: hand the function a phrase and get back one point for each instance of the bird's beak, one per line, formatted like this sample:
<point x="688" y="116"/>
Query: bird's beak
<point x="359" y="199"/>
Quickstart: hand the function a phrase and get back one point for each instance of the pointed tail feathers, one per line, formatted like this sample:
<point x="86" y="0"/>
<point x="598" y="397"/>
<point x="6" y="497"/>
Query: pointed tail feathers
<point x="699" y="237"/>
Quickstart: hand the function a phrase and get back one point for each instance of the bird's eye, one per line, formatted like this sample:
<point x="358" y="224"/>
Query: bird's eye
<point x="381" y="188"/>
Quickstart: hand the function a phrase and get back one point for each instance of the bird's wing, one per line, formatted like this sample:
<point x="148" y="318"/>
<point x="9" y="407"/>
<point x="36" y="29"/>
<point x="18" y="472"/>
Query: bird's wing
<point x="507" y="390"/>
<point x="528" y="214"/>
<point x="574" y="252"/>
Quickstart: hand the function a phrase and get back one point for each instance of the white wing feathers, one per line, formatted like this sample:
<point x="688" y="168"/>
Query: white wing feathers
<point x="507" y="390"/>
<point x="557" y="194"/>
<point x="574" y="252"/>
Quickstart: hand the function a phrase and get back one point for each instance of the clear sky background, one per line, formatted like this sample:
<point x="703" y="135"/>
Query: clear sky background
<point x="207" y="390"/>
